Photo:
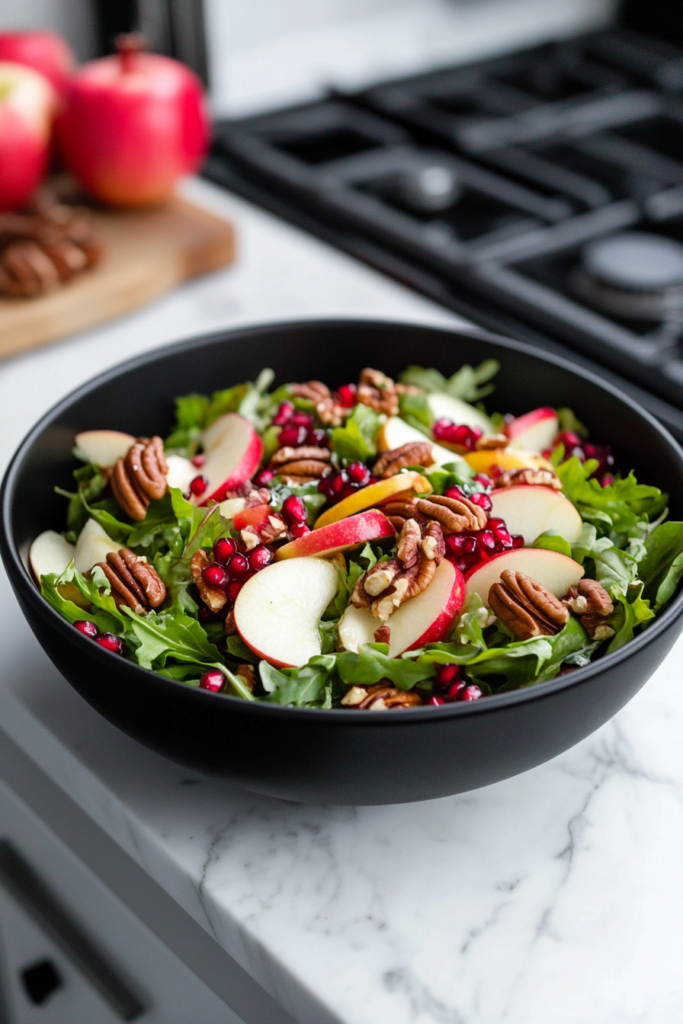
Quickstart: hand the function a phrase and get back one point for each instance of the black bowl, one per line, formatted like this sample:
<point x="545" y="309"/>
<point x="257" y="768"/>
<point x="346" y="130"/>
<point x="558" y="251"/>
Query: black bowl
<point x="334" y="756"/>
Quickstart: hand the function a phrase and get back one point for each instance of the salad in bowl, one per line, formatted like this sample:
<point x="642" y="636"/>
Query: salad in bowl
<point x="371" y="545"/>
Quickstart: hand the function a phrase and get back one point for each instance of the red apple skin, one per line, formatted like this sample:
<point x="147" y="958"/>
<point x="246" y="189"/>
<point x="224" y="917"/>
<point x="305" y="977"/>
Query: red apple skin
<point x="441" y="625"/>
<point x="242" y="472"/>
<point x="26" y="109"/>
<point x="45" y="52"/>
<point x="347" y="533"/>
<point x="132" y="127"/>
<point x="253" y="516"/>
<point x="522" y="423"/>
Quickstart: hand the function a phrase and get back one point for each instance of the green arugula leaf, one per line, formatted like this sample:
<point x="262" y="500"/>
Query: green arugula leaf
<point x="469" y="383"/>
<point x="373" y="664"/>
<point x="632" y="611"/>
<point x="661" y="568"/>
<point x="453" y="474"/>
<point x="613" y="510"/>
<point x="356" y="440"/>
<point x="414" y="409"/>
<point x="570" y="424"/>
<point x="551" y="541"/>
<point x="91" y="483"/>
<point x="471" y="622"/>
<point x="296" y="687"/>
<point x="54" y="593"/>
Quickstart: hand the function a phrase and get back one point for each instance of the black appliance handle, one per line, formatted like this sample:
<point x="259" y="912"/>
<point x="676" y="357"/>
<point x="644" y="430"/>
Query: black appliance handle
<point x="25" y="886"/>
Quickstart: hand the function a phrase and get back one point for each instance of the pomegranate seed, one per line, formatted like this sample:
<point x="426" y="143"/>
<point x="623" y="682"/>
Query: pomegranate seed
<point x="110" y="642"/>
<point x="471" y="692"/>
<point x="237" y="567"/>
<point x="347" y="395"/>
<point x="87" y="628"/>
<point x="486" y="542"/>
<point x="348" y="489"/>
<point x="214" y="575"/>
<point x="284" y="414"/>
<point x="503" y="537"/>
<point x="607" y="480"/>
<point x="302" y="419"/>
<point x="455" y="542"/>
<point x="494" y="523"/>
<point x="455" y="492"/>
<point x="517" y="540"/>
<point x="294" y="510"/>
<point x="214" y="681"/>
<point x="223" y="549"/>
<point x="496" y="471"/>
<point x="446" y="675"/>
<point x="569" y="439"/>
<point x="233" y="588"/>
<point x="358" y="473"/>
<point x="206" y="615"/>
<point x="454" y="691"/>
<point x="436" y="701"/>
<point x="198" y="485"/>
<point x="482" y="500"/>
<point x="590" y="451"/>
<point x="483" y="480"/>
<point x="263" y="478"/>
<point x="259" y="558"/>
<point x="546" y="453"/>
<point x="292" y="436"/>
<point x="198" y="460"/>
<point x="299" y="530"/>
<point x="318" y="438"/>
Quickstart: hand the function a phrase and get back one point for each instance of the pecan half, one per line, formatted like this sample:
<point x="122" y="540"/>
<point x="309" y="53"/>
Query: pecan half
<point x="383" y="697"/>
<point x="593" y="605"/>
<point x="454" y="514"/>
<point x="26" y="271"/>
<point x="378" y="391"/>
<point x="374" y="582"/>
<point x="329" y="410"/>
<point x="212" y="597"/>
<point x="415" y="453"/>
<point x="532" y="477"/>
<point x="140" y="477"/>
<point x="433" y="545"/>
<point x="409" y="542"/>
<point x="302" y="464"/>
<point x="133" y="580"/>
<point x="526" y="607"/>
<point x="397" y="512"/>
<point x="229" y="623"/>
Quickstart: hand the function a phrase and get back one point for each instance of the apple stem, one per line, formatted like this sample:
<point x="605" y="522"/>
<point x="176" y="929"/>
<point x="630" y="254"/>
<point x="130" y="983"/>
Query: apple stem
<point x="128" y="46"/>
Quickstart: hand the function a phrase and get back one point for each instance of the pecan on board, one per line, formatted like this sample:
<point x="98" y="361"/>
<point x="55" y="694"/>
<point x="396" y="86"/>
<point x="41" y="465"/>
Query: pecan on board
<point x="415" y="453"/>
<point x="301" y="465"/>
<point x="526" y="607"/>
<point x="133" y="580"/>
<point x="330" y="412"/>
<point x="378" y="391"/>
<point x="454" y="514"/>
<point x="591" y="602"/>
<point x="140" y="477"/>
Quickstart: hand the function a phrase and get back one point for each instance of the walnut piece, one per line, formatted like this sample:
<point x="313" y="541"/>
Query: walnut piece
<point x="140" y="477"/>
<point x="380" y="697"/>
<point x="454" y="514"/>
<point x="329" y="410"/>
<point x="378" y="391"/>
<point x="526" y="607"/>
<point x="246" y="672"/>
<point x="133" y="581"/>
<point x="591" y="602"/>
<point x="302" y="464"/>
<point x="214" y="599"/>
<point x="532" y="477"/>
<point x="415" y="453"/>
<point x="492" y="442"/>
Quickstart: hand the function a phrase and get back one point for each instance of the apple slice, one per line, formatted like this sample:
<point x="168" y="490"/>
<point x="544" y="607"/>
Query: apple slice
<point x="443" y="406"/>
<point x="505" y="458"/>
<point x="252" y="516"/>
<point x="367" y="497"/>
<point x="535" y="431"/>
<point x="396" y="432"/>
<point x="530" y="511"/>
<point x="556" y="572"/>
<point x="231" y="507"/>
<point x="93" y="546"/>
<point x="180" y="472"/>
<point x="50" y="553"/>
<point x="425" y="619"/>
<point x="103" y="447"/>
<point x="340" y="536"/>
<point x="277" y="611"/>
<point x="232" y="457"/>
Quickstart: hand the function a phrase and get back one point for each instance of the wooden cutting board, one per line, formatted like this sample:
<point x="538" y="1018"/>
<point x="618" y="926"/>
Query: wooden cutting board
<point x="146" y="252"/>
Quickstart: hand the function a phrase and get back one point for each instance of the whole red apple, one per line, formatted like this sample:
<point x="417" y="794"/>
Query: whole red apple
<point x="26" y="108"/>
<point x="45" y="52"/>
<point x="133" y="124"/>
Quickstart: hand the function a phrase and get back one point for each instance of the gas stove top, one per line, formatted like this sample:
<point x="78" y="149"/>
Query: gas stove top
<point x="539" y="193"/>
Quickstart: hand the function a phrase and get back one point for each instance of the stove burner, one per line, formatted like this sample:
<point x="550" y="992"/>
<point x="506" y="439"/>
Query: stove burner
<point x="429" y="189"/>
<point x="633" y="275"/>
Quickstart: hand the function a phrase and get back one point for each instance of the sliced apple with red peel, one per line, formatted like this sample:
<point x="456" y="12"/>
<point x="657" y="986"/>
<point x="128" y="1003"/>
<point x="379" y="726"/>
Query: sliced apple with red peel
<point x="341" y="536"/>
<point x="425" y="619"/>
<point x="253" y="516"/>
<point x="535" y="431"/>
<point x="50" y="553"/>
<point x="367" y="497"/>
<point x="103" y="447"/>
<point x="232" y="458"/>
<point x="443" y="406"/>
<point x="93" y="546"/>
<point x="396" y="432"/>
<point x="556" y="572"/>
<point x="531" y="511"/>
<point x="505" y="458"/>
<point x="277" y="611"/>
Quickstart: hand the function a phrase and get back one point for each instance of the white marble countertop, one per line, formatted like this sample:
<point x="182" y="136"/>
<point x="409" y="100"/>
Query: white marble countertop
<point x="552" y="898"/>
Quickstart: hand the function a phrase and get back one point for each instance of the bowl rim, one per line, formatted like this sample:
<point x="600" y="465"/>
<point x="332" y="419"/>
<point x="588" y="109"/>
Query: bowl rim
<point x="334" y="716"/>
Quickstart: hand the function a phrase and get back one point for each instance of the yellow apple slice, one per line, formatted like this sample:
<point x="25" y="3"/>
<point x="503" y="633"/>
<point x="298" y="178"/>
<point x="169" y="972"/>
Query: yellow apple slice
<point x="481" y="462"/>
<point x="367" y="497"/>
<point x="396" y="432"/>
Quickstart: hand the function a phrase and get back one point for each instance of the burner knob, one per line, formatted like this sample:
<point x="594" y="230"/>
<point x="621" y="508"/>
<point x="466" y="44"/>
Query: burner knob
<point x="429" y="189"/>
<point x="635" y="262"/>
